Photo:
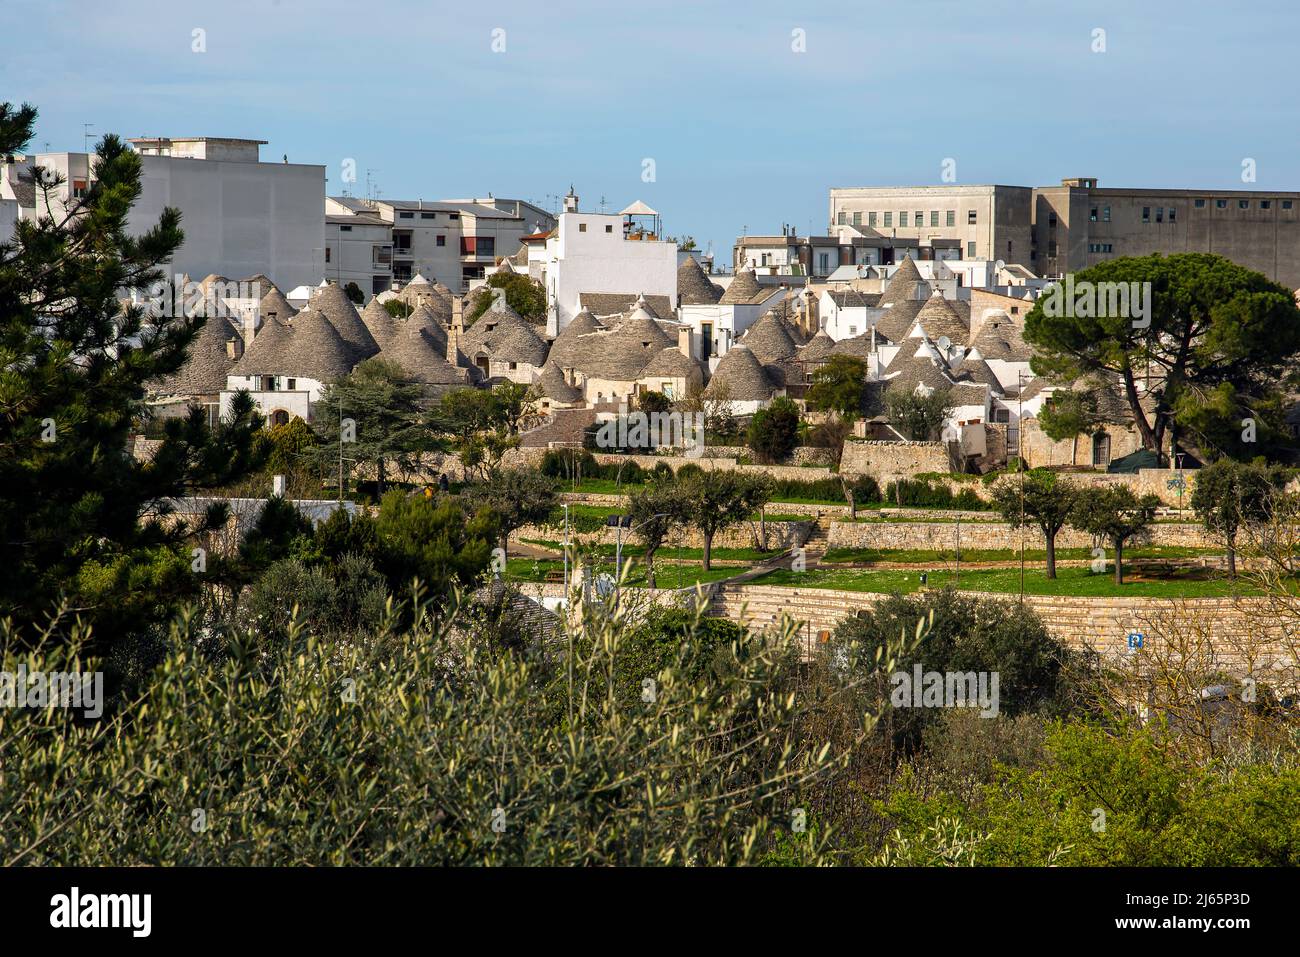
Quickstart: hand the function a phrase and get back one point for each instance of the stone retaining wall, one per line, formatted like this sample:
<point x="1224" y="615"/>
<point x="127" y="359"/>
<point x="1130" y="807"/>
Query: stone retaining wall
<point x="780" y="535"/>
<point x="994" y="535"/>
<point x="1244" y="634"/>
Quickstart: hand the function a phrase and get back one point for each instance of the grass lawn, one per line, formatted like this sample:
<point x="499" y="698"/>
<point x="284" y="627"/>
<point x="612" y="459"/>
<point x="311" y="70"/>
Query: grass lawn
<point x="1071" y="581"/>
<point x="672" y="554"/>
<point x="1035" y="555"/>
<point x="599" y="513"/>
<point x="667" y="575"/>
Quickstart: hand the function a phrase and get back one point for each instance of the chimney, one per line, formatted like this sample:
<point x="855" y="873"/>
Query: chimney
<point x="571" y="201"/>
<point x="684" y="340"/>
<point x="457" y="327"/>
<point x="230" y="348"/>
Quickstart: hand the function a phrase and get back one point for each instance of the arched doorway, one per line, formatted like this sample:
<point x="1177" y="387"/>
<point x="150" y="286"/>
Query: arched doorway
<point x="279" y="417"/>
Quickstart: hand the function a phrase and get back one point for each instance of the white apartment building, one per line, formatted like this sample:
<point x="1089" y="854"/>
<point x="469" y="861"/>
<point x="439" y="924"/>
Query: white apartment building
<point x="9" y="215"/>
<point x="240" y="216"/>
<point x="605" y="253"/>
<point x="449" y="241"/>
<point x="359" y="249"/>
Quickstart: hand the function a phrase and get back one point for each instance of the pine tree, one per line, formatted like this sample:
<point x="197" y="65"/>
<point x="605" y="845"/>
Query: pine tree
<point x="84" y="525"/>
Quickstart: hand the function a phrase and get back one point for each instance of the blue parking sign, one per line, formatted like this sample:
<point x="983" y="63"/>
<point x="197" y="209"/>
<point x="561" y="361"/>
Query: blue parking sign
<point x="1135" y="639"/>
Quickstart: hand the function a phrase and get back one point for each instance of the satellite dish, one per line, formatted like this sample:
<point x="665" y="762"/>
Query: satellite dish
<point x="944" y="343"/>
<point x="999" y="265"/>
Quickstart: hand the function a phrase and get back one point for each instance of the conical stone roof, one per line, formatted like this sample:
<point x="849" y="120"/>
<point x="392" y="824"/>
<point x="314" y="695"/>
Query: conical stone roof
<point x="769" y="339"/>
<point x="268" y="353"/>
<point x="741" y="377"/>
<point x="381" y="325"/>
<point x="315" y="349"/>
<point x="693" y="286"/>
<point x="819" y="347"/>
<point x="938" y="318"/>
<point x="205" y="369"/>
<point x="906" y="283"/>
<point x="566" y="349"/>
<point x="552" y="385"/>
<point x="742" y="289"/>
<point x="420" y="358"/>
<point x="334" y="303"/>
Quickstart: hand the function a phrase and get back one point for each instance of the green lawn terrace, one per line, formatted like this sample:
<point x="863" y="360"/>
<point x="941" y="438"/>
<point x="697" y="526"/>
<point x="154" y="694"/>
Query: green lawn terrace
<point x="1179" y="581"/>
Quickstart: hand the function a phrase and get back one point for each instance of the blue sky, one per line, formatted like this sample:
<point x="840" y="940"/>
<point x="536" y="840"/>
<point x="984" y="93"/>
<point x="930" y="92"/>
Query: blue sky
<point x="745" y="133"/>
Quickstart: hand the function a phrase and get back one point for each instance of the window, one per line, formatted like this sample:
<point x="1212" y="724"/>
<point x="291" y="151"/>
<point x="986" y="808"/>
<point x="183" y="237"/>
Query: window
<point x="406" y="215"/>
<point x="1008" y="248"/>
<point x="428" y="215"/>
<point x="970" y="217"/>
<point x="889" y="219"/>
<point x="1265" y="204"/>
<point x="1051" y="221"/>
<point x="293" y="384"/>
<point x="609" y="228"/>
<point x="970" y="250"/>
<point x="1001" y="415"/>
<point x="453" y="215"/>
<point x="871" y="219"/>
<point x="1092" y="215"/>
<point x="1146" y="214"/>
<point x="1105" y="214"/>
<point x="512" y="367"/>
<point x="1173" y="214"/>
<point x="1200" y="204"/>
<point x="1160" y="214"/>
<point x="1220" y="204"/>
<point x="843" y="218"/>
<point x="853" y="331"/>
<point x="902" y="218"/>
<point x="857" y="219"/>
<point x="345" y="229"/>
<point x="920" y="218"/>
<point x="327" y="254"/>
<point x="383" y="255"/>
<point x="934" y="217"/>
<point x="1286" y="204"/>
<point x="1051" y="249"/>
<point x="1243" y="204"/>
<point x="1100" y="247"/>
<point x="442" y="241"/>
<point x="952" y="217"/>
<point x="582" y="227"/>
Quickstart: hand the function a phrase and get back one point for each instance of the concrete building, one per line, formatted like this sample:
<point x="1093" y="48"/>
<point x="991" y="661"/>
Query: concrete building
<point x="359" y="249"/>
<point x="240" y="216"/>
<point x="9" y="215"/>
<point x="1056" y="229"/>
<point x="453" y="242"/>
<point x="1079" y="224"/>
<point x="985" y="222"/>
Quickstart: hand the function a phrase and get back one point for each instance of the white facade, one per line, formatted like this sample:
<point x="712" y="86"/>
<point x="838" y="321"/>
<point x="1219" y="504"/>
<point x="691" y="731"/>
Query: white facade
<point x="455" y="242"/>
<point x="588" y="253"/>
<point x="9" y="214"/>
<point x="278" y="398"/>
<point x="715" y="327"/>
<point x="240" y="216"/>
<point x="359" y="249"/>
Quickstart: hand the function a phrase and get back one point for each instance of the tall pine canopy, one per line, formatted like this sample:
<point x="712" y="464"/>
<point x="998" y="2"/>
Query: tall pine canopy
<point x="84" y="527"/>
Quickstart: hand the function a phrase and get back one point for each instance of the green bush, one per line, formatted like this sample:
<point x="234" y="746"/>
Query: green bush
<point x="924" y="493"/>
<point x="389" y="750"/>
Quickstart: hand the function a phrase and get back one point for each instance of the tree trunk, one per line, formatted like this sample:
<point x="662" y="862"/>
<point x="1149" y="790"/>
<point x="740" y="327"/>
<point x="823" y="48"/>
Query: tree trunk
<point x="1119" y="562"/>
<point x="1232" y="558"/>
<point x="1149" y="437"/>
<point x="1051" y="553"/>
<point x="708" y="549"/>
<point x="650" y="567"/>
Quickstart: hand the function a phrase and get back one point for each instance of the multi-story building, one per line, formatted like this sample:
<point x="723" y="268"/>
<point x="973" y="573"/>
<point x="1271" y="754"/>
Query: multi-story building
<point x="987" y="222"/>
<point x="818" y="257"/>
<point x="617" y="255"/>
<point x="240" y="216"/>
<point x="1078" y="224"/>
<point x="1058" y="229"/>
<point x="448" y="241"/>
